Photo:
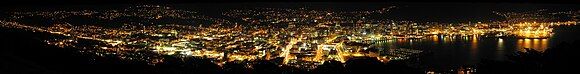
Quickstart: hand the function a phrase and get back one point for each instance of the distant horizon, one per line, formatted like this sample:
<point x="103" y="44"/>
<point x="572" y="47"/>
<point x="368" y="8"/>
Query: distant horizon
<point x="240" y="1"/>
<point x="421" y="12"/>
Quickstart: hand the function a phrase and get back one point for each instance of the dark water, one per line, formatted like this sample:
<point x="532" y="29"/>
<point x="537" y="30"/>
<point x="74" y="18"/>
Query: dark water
<point x="462" y="51"/>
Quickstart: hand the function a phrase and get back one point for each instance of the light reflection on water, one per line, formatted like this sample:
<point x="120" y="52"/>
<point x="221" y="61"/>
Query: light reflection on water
<point x="474" y="49"/>
<point x="500" y="49"/>
<point x="454" y="51"/>
<point x="537" y="44"/>
<point x="457" y="51"/>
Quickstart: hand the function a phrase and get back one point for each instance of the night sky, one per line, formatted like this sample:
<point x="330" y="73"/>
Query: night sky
<point x="61" y="2"/>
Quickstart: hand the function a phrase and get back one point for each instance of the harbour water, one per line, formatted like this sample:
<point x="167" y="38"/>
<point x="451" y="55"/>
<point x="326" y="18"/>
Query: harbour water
<point x="469" y="50"/>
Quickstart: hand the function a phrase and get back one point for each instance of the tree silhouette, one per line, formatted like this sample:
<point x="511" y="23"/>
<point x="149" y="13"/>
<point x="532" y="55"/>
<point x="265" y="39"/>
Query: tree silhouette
<point x="265" y="67"/>
<point x="331" y="67"/>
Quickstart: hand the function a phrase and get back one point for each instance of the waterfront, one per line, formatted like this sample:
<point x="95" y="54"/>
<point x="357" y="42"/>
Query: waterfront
<point x="461" y="51"/>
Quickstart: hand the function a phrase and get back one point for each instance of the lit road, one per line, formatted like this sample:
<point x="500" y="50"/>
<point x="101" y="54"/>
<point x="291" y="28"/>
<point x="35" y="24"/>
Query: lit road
<point x="286" y="51"/>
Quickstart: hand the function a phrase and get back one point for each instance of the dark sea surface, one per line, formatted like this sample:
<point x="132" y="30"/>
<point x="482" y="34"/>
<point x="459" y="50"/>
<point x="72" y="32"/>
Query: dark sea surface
<point x="465" y="51"/>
